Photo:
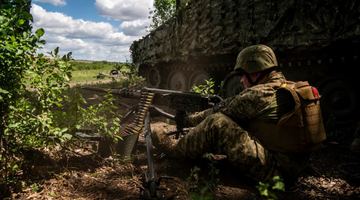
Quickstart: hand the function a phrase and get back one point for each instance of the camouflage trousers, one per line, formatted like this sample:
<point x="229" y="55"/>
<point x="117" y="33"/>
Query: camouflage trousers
<point x="218" y="134"/>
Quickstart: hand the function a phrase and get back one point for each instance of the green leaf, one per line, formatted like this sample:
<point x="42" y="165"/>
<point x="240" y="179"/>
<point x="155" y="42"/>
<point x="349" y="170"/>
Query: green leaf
<point x="2" y="91"/>
<point x="279" y="186"/>
<point x="263" y="188"/>
<point x="15" y="167"/>
<point x="276" y="178"/>
<point x="66" y="136"/>
<point x="264" y="192"/>
<point x="39" y="32"/>
<point x="42" y="41"/>
<point x="56" y="51"/>
<point x="21" y="22"/>
<point x="64" y="130"/>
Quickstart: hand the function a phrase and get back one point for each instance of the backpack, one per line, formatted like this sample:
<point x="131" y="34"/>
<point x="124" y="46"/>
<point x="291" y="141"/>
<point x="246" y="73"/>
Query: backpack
<point x="301" y="129"/>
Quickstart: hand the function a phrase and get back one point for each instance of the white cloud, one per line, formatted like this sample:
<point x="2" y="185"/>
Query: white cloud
<point x="125" y="10"/>
<point x="53" y="2"/>
<point x="85" y="39"/>
<point x="135" y="27"/>
<point x="133" y="15"/>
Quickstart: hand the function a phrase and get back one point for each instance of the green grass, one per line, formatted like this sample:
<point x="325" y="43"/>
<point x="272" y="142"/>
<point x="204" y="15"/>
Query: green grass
<point x="79" y="76"/>
<point x="89" y="71"/>
<point x="86" y="72"/>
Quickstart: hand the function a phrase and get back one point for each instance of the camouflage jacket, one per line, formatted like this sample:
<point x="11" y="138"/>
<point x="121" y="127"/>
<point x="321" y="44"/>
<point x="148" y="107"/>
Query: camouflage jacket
<point x="259" y="101"/>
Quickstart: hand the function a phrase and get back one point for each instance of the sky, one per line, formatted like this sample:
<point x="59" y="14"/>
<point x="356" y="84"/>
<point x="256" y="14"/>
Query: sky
<point x="92" y="29"/>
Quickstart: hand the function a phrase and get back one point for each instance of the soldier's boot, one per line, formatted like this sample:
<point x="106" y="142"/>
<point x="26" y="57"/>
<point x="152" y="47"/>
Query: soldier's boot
<point x="161" y="140"/>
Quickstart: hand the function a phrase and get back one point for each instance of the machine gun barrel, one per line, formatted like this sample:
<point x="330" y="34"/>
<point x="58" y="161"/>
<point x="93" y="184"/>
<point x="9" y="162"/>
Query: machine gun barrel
<point x="185" y="101"/>
<point x="123" y="92"/>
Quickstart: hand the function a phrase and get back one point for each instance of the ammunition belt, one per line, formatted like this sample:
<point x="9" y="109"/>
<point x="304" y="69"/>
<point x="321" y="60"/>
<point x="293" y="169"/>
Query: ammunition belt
<point x="145" y="101"/>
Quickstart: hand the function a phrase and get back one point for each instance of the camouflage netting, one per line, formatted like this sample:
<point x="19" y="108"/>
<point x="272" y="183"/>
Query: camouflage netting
<point x="207" y="27"/>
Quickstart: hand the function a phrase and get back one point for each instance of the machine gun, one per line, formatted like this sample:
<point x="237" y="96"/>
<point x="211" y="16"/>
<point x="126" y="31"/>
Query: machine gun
<point x="181" y="102"/>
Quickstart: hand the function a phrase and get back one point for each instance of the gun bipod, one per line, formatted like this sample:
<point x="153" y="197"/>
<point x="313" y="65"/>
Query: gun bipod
<point x="151" y="190"/>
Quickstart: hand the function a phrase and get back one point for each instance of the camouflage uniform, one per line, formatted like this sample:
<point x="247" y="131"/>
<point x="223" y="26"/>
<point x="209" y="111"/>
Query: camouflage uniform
<point x="224" y="132"/>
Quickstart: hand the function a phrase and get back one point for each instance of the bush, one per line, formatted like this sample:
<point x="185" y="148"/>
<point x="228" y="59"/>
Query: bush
<point x="205" y="89"/>
<point x="270" y="189"/>
<point x="30" y="88"/>
<point x="101" y="118"/>
<point x="33" y="94"/>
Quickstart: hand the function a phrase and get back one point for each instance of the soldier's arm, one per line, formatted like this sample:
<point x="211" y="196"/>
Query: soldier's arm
<point x="245" y="106"/>
<point x="197" y="117"/>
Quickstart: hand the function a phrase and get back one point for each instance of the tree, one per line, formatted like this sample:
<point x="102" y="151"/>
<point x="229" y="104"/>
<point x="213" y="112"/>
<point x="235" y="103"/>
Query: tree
<point x="34" y="95"/>
<point x="164" y="10"/>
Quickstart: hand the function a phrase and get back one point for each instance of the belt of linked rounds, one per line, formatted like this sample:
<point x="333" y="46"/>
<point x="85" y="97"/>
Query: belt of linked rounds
<point x="143" y="107"/>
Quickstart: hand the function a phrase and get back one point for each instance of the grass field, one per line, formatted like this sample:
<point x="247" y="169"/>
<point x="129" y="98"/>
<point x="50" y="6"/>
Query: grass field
<point x="86" y="72"/>
<point x="80" y="76"/>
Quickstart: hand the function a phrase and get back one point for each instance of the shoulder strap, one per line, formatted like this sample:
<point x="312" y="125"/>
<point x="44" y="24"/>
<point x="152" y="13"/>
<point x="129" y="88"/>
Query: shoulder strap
<point x="297" y="108"/>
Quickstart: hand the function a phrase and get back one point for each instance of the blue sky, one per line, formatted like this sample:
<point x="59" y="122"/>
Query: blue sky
<point x="78" y="9"/>
<point x="92" y="29"/>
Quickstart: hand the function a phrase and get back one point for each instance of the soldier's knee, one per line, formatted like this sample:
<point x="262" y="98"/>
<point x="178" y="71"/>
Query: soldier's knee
<point x="219" y="121"/>
<point x="162" y="127"/>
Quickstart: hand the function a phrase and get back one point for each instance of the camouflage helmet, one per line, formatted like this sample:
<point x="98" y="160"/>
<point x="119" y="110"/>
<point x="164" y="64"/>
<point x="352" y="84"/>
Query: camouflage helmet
<point x="256" y="58"/>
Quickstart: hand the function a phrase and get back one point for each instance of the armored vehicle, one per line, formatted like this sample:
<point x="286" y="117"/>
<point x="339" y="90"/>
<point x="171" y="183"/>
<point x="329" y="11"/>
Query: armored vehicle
<point x="316" y="41"/>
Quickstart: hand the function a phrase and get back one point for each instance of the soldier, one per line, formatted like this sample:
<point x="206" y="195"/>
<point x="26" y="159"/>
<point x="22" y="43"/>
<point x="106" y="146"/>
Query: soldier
<point x="224" y="129"/>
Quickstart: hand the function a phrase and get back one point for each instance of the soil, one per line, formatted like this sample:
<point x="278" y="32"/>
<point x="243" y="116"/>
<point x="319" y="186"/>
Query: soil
<point x="76" y="171"/>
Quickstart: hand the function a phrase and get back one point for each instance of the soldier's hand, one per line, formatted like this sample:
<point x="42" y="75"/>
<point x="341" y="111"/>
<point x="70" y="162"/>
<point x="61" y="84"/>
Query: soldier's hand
<point x="217" y="107"/>
<point x="181" y="120"/>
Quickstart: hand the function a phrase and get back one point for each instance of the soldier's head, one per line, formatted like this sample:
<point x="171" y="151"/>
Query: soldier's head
<point x="255" y="62"/>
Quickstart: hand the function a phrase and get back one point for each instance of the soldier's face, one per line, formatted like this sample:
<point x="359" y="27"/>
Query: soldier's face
<point x="245" y="81"/>
<point x="248" y="83"/>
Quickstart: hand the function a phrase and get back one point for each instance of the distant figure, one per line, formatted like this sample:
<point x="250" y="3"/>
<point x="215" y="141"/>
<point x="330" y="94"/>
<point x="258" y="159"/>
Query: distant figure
<point x="114" y="72"/>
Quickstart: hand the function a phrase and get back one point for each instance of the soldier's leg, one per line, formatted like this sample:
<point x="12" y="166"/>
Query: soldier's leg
<point x="220" y="135"/>
<point x="160" y="140"/>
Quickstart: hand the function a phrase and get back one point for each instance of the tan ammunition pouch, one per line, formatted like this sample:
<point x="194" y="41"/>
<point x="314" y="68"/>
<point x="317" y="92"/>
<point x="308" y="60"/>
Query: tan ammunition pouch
<point x="300" y="130"/>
